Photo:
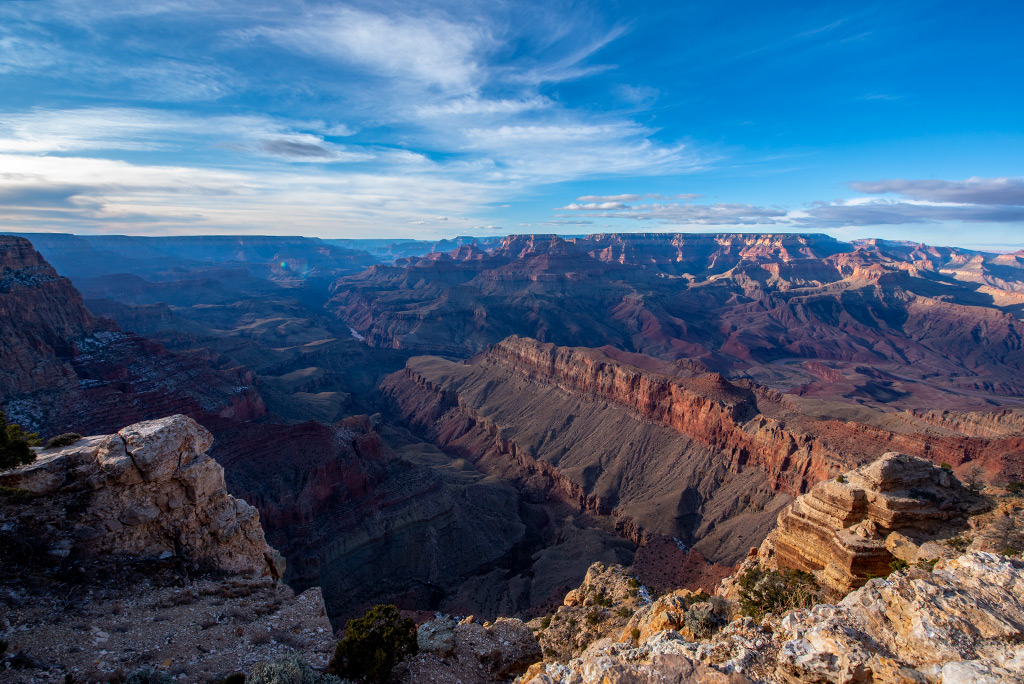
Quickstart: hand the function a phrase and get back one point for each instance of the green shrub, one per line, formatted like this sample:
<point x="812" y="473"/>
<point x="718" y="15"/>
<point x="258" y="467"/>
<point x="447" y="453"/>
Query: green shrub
<point x="67" y="439"/>
<point x="1015" y="487"/>
<point x="702" y="621"/>
<point x="148" y="675"/>
<point x="897" y="564"/>
<point x="290" y="669"/>
<point x="373" y="645"/>
<point x="928" y="565"/>
<point x="776" y="591"/>
<point x="635" y="633"/>
<point x="545" y="622"/>
<point x="594" y="617"/>
<point x="945" y="466"/>
<point x="15" y="444"/>
<point x="959" y="543"/>
<point x="624" y="612"/>
<point x="840" y="479"/>
<point x="634" y="583"/>
<point x="1010" y="551"/>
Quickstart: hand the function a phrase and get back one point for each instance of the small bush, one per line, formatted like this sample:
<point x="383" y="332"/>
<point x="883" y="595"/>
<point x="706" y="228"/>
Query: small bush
<point x="1010" y="551"/>
<point x="15" y="444"/>
<point x="702" y="621"/>
<point x="67" y="439"/>
<point x="594" y="617"/>
<point x="840" y="479"/>
<point x="624" y="612"/>
<point x="635" y="633"/>
<point x="770" y="591"/>
<point x="373" y="645"/>
<point x="148" y="675"/>
<point x="1015" y="487"/>
<point x="289" y="670"/>
<point x="634" y="583"/>
<point x="928" y="565"/>
<point x="946" y="466"/>
<point x="959" y="543"/>
<point x="897" y="564"/>
<point x="545" y="622"/>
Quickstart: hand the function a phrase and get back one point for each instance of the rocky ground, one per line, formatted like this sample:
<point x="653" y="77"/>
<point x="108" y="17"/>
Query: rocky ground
<point x="113" y="620"/>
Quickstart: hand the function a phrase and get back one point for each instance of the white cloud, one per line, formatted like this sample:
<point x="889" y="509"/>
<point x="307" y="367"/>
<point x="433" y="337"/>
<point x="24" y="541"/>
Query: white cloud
<point x="91" y="195"/>
<point x="119" y="129"/>
<point x="700" y="214"/>
<point x="472" y="105"/>
<point x="593" y="206"/>
<point x="610" y="198"/>
<point x="426" y="49"/>
<point x="1006" y="191"/>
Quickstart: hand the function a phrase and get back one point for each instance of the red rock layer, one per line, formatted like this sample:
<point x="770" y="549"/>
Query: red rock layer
<point x="877" y="323"/>
<point x="544" y="417"/>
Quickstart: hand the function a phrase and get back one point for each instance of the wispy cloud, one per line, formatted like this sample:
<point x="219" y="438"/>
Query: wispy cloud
<point x="107" y="129"/>
<point x="736" y="214"/>
<point x="88" y="195"/>
<point x="426" y="49"/>
<point x="970" y="191"/>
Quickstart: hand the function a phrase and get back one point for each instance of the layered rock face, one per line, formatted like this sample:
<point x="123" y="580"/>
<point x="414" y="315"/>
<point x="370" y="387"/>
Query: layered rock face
<point x="875" y="323"/>
<point x="850" y="529"/>
<point x="693" y="456"/>
<point x="598" y="455"/>
<point x="62" y="369"/>
<point x="42" y="313"/>
<point x="150" y="490"/>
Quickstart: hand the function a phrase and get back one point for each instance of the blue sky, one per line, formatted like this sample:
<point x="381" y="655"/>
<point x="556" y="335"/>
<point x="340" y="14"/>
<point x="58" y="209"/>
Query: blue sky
<point x="408" y="119"/>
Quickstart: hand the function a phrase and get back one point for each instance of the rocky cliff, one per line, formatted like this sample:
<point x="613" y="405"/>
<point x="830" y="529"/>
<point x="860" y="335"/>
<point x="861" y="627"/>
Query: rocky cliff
<point x="959" y="624"/>
<point x="692" y="456"/>
<point x="850" y="529"/>
<point x="151" y="490"/>
<point x="955" y="616"/>
<point x="63" y="369"/>
<point x="125" y="550"/>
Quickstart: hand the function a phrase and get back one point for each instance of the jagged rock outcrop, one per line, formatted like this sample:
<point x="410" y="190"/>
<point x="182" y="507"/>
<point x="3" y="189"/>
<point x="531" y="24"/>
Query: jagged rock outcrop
<point x="596" y="610"/>
<point x="962" y="622"/>
<point x="851" y="528"/>
<point x="151" y="490"/>
<point x="126" y="551"/>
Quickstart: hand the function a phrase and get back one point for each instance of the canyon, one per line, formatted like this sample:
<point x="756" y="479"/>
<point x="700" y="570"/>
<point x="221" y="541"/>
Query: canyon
<point x="871" y="322"/>
<point x="467" y="431"/>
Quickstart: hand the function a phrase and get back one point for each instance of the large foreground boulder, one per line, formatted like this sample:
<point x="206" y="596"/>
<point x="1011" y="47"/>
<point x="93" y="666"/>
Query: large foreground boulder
<point x="148" y="491"/>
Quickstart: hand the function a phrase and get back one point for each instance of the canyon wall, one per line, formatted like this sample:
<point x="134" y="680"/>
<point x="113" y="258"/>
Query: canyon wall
<point x="875" y="323"/>
<point x="699" y="458"/>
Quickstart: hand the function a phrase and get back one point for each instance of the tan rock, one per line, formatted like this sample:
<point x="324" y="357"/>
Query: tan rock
<point x="849" y="529"/>
<point x="149" y="490"/>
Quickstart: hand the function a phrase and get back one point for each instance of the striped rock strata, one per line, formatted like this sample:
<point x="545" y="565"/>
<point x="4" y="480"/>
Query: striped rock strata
<point x="849" y="529"/>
